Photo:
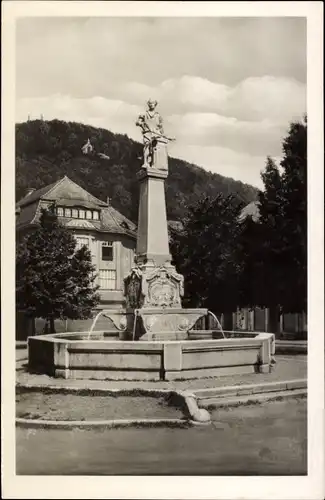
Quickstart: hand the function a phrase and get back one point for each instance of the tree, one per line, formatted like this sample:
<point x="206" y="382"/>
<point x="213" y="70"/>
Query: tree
<point x="204" y="253"/>
<point x="248" y="255"/>
<point x="48" y="150"/>
<point x="294" y="164"/>
<point x="53" y="280"/>
<point x="271" y="261"/>
<point x="273" y="251"/>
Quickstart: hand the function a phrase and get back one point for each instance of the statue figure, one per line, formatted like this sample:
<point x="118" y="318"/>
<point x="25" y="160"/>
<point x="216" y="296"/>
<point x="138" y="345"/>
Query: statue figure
<point x="151" y="125"/>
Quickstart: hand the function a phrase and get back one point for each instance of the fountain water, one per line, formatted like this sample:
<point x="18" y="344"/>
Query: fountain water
<point x="94" y="323"/>
<point x="218" y="322"/>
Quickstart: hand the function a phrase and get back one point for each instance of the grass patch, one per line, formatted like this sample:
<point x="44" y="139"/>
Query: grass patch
<point x="46" y="405"/>
<point x="254" y="402"/>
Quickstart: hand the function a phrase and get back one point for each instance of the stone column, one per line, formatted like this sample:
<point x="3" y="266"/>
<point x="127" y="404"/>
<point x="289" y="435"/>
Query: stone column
<point x="154" y="281"/>
<point x="153" y="289"/>
<point x="152" y="240"/>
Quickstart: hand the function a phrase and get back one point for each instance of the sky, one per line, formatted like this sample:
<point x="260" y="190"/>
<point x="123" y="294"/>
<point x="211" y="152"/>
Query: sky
<point x="227" y="87"/>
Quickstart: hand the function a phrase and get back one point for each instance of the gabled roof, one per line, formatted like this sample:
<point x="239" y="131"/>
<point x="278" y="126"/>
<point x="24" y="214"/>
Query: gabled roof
<point x="67" y="193"/>
<point x="35" y="195"/>
<point x="250" y="210"/>
<point x="63" y="189"/>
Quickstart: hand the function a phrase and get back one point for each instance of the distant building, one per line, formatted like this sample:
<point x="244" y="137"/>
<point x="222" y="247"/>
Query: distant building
<point x="109" y="235"/>
<point x="87" y="148"/>
<point x="250" y="210"/>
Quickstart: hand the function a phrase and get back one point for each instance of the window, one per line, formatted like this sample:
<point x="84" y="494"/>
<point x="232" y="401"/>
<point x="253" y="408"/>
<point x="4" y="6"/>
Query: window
<point x="81" y="241"/>
<point x="76" y="213"/>
<point x="107" y="251"/>
<point x="107" y="279"/>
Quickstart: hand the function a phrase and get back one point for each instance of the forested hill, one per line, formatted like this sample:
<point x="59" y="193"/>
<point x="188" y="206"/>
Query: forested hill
<point x="48" y="150"/>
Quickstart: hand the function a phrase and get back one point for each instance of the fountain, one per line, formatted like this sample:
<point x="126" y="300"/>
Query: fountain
<point x="154" y="337"/>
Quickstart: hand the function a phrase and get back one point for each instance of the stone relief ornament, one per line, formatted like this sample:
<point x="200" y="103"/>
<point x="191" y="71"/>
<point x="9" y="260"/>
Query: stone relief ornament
<point x="158" y="287"/>
<point x="163" y="287"/>
<point x="162" y="294"/>
<point x="151" y="320"/>
<point x="184" y="324"/>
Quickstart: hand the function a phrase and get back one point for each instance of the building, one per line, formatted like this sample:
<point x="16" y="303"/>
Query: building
<point x="250" y="210"/>
<point x="109" y="235"/>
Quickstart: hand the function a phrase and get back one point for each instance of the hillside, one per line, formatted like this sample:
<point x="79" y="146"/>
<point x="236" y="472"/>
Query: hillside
<point x="48" y="150"/>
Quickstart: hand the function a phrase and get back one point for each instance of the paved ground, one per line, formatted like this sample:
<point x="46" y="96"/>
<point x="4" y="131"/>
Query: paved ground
<point x="267" y="439"/>
<point x="288" y="367"/>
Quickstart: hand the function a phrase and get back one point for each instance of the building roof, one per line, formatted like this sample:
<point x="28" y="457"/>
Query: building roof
<point x="63" y="189"/>
<point x="67" y="193"/>
<point x="250" y="210"/>
<point x="35" y="195"/>
<point x="175" y="225"/>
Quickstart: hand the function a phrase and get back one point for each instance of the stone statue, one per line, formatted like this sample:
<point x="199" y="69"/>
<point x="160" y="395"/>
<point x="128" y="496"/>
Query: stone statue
<point x="151" y="125"/>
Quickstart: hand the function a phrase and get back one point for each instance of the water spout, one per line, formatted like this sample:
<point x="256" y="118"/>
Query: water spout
<point x="94" y="322"/>
<point x="218" y="322"/>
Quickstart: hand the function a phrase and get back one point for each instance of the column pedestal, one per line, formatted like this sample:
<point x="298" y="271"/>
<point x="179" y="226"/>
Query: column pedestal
<point x="153" y="288"/>
<point x="152" y="240"/>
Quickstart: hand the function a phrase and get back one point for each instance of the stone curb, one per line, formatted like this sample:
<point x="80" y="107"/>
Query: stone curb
<point x="106" y="424"/>
<point x="245" y="390"/>
<point x="136" y="391"/>
<point x="187" y="401"/>
<point x="168" y="422"/>
<point x="253" y="398"/>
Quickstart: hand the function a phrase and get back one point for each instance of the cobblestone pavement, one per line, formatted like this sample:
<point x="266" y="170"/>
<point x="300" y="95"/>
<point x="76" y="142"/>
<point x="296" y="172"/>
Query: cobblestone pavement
<point x="267" y="439"/>
<point x="288" y="367"/>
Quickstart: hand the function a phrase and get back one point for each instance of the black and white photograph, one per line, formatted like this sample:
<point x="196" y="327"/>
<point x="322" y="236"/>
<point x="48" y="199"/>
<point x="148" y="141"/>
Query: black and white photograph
<point x="164" y="205"/>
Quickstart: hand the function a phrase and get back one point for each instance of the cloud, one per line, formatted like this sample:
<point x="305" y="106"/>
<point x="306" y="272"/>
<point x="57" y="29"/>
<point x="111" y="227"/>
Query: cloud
<point x="264" y="99"/>
<point x="223" y="144"/>
<point x="85" y="56"/>
<point x="224" y="161"/>
<point x="227" y="87"/>
<point x="114" y="115"/>
<point x="267" y="97"/>
<point x="211" y="129"/>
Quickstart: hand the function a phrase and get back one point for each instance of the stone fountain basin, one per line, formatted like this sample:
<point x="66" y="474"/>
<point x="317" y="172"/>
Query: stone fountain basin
<point x="73" y="355"/>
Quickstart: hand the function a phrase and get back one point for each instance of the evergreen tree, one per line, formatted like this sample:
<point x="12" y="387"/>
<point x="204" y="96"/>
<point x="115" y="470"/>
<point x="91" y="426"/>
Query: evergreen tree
<point x="273" y="251"/>
<point x="204" y="253"/>
<point x="271" y="261"/>
<point x="294" y="179"/>
<point x="53" y="280"/>
<point x="48" y="150"/>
